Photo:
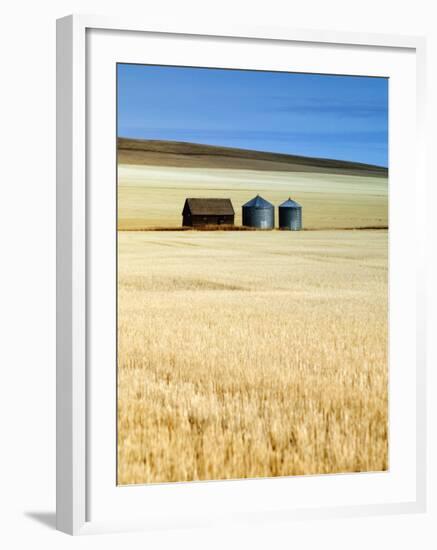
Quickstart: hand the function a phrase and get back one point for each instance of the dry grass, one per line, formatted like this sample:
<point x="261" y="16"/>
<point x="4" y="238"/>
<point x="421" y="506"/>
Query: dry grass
<point x="195" y="155"/>
<point x="153" y="196"/>
<point x="251" y="354"/>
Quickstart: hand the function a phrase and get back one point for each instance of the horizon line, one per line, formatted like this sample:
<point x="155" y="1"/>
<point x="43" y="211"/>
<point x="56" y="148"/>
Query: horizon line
<point x="281" y="154"/>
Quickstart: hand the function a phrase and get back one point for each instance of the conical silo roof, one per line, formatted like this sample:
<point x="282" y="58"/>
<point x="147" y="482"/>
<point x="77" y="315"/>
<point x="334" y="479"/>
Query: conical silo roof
<point x="289" y="203"/>
<point x="258" y="202"/>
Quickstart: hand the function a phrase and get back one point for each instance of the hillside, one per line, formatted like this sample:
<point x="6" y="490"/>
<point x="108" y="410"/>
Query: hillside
<point x="192" y="155"/>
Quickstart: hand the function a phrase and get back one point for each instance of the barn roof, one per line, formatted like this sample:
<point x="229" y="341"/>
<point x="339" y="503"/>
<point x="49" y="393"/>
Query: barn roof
<point x="258" y="202"/>
<point x="203" y="207"/>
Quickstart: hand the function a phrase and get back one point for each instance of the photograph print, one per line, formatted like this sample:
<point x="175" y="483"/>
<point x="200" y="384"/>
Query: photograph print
<point x="252" y="274"/>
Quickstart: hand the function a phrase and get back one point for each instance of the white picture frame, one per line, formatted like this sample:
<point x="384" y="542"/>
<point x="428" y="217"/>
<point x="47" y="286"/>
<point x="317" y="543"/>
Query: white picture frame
<point x="74" y="461"/>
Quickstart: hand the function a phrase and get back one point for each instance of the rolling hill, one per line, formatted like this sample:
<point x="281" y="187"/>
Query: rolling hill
<point x="193" y="155"/>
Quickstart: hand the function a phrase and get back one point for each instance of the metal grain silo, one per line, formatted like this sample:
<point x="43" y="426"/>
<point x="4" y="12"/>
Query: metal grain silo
<point x="290" y="215"/>
<point x="259" y="213"/>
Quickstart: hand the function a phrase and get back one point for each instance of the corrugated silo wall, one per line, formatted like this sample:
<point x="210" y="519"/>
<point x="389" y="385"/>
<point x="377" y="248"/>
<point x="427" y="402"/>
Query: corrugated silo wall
<point x="290" y="218"/>
<point x="262" y="218"/>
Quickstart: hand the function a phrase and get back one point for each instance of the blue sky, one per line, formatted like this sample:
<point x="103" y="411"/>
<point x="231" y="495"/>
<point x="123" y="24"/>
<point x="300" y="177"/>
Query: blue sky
<point x="340" y="117"/>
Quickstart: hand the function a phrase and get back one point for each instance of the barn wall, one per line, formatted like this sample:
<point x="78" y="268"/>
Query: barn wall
<point x="190" y="221"/>
<point x="212" y="220"/>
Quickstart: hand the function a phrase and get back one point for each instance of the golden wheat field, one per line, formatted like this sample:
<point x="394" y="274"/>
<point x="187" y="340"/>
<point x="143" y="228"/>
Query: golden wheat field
<point x="252" y="354"/>
<point x="153" y="196"/>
